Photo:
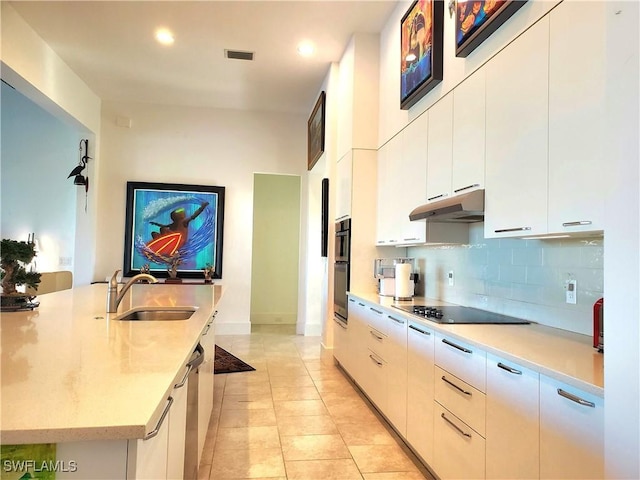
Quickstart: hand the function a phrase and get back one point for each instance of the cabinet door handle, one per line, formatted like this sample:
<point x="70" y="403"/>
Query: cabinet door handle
<point x="342" y="218"/>
<point x="340" y="323"/>
<point x="397" y="320"/>
<point x="442" y="195"/>
<point x="377" y="311"/>
<point x="575" y="398"/>
<point x="155" y="431"/>
<point x="352" y="300"/>
<point x="517" y="229"/>
<point x="462" y="390"/>
<point x="466" y="188"/>
<point x="424" y="332"/>
<point x="361" y="304"/>
<point x="410" y="239"/>
<point x="195" y="363"/>
<point x="576" y="224"/>
<point x="375" y="336"/>
<point x="451" y="344"/>
<point x="509" y="369"/>
<point x="462" y="432"/>
<point x="375" y="361"/>
<point x="393" y="241"/>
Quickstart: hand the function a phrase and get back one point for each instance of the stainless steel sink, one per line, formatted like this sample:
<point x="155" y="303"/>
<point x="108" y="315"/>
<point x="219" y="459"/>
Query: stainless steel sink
<point x="157" y="313"/>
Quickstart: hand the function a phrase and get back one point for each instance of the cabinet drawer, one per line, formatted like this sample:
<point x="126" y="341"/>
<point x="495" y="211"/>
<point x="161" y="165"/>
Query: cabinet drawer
<point x="461" y="399"/>
<point x="376" y="318"/>
<point x="466" y="362"/>
<point x="377" y="342"/>
<point x="458" y="449"/>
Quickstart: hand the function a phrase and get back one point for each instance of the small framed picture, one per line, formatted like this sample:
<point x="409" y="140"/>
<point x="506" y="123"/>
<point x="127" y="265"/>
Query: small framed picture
<point x="421" y="44"/>
<point x="315" y="132"/>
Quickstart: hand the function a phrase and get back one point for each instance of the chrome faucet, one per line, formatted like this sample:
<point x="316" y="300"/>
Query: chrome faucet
<point x="114" y="298"/>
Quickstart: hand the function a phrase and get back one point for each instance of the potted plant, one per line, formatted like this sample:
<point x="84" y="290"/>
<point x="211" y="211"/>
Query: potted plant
<point x="14" y="255"/>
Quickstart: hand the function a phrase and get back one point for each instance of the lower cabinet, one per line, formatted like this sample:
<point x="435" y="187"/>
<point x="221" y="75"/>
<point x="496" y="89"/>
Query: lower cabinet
<point x="205" y="383"/>
<point x="571" y="432"/>
<point x="512" y="420"/>
<point x="459" y="451"/>
<point x="420" y="386"/>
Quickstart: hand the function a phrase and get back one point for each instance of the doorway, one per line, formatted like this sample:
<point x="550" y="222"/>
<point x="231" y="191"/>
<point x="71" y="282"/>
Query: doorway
<point x="275" y="249"/>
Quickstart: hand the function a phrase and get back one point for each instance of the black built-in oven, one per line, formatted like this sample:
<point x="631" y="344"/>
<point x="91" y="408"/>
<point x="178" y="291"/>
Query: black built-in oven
<point x="341" y="268"/>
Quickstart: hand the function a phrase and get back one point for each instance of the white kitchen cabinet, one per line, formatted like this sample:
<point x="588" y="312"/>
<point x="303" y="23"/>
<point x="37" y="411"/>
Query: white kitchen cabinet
<point x="577" y="71"/>
<point x="469" y="129"/>
<point x="402" y="176"/>
<point x="440" y="149"/>
<point x="461" y="359"/>
<point x="388" y="220"/>
<point x="517" y="126"/>
<point x="396" y="357"/>
<point x="512" y="421"/>
<point x="420" y="389"/>
<point x="459" y="451"/>
<point x="571" y="432"/>
<point x="177" y="422"/>
<point x="205" y="383"/>
<point x="356" y="336"/>
<point x="344" y="180"/>
<point x="340" y="347"/>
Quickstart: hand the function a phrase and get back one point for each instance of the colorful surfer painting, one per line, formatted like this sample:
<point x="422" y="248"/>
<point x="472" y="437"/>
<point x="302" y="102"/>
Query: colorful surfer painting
<point x="167" y="222"/>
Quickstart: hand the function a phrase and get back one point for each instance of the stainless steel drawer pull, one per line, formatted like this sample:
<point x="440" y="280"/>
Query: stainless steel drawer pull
<point x="509" y="369"/>
<point x="397" y="320"/>
<point x="466" y="188"/>
<point x="451" y="344"/>
<point x="377" y="311"/>
<point x="424" y="332"/>
<point x="462" y="432"/>
<point x="342" y="217"/>
<point x="577" y="224"/>
<point x="576" y="399"/>
<point x="361" y="304"/>
<point x="376" y="361"/>
<point x="352" y="300"/>
<point x="462" y="390"/>
<point x="340" y="323"/>
<point x="376" y="336"/>
<point x="193" y="363"/>
<point x="155" y="431"/>
<point x="410" y="239"/>
<point x="442" y="195"/>
<point x="518" y="229"/>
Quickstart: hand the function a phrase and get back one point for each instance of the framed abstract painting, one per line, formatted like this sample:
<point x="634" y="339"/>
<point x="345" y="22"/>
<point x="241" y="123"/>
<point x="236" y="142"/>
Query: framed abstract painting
<point x="421" y="43"/>
<point x="477" y="20"/>
<point x="173" y="225"/>
<point x="316" y="131"/>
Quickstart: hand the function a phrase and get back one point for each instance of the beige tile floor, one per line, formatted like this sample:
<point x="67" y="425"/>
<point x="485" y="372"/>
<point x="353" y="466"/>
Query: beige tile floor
<point x="297" y="417"/>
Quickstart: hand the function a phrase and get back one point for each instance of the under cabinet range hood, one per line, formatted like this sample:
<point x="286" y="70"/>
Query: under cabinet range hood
<point x="465" y="208"/>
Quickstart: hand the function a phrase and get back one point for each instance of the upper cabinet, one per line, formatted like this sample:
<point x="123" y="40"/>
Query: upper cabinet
<point x="469" y="129"/>
<point x="517" y="122"/>
<point x="439" y="149"/>
<point x="577" y="71"/>
<point x="402" y="180"/>
<point x="344" y="179"/>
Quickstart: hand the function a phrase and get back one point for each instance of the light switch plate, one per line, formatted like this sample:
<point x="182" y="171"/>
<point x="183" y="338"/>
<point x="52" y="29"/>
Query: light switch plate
<point x="571" y="291"/>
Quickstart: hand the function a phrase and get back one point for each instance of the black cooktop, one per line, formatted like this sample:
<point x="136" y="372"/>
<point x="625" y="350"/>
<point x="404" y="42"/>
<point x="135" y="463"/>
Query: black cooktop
<point x="458" y="314"/>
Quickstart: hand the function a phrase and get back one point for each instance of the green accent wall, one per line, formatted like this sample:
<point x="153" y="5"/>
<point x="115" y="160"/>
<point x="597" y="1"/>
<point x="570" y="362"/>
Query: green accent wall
<point x="275" y="252"/>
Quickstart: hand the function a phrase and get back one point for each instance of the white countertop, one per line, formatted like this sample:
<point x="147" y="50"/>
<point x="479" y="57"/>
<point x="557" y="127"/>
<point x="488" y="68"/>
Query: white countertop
<point x="565" y="356"/>
<point x="71" y="372"/>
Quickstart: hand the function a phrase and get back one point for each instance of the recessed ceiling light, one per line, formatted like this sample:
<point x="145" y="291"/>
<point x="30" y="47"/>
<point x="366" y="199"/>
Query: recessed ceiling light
<point x="306" y="48"/>
<point x="164" y="36"/>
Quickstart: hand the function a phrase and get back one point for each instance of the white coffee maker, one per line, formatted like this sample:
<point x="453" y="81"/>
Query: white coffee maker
<point x="396" y="277"/>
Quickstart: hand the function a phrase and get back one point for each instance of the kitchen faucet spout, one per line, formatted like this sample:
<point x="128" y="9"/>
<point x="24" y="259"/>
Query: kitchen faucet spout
<point x="114" y="297"/>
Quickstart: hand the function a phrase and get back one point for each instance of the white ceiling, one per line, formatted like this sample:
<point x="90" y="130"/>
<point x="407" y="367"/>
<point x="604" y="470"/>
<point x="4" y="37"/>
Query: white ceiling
<point x="111" y="46"/>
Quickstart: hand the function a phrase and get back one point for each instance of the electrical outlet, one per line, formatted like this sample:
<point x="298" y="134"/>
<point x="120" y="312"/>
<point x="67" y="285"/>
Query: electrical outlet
<point x="450" y="276"/>
<point x="571" y="291"/>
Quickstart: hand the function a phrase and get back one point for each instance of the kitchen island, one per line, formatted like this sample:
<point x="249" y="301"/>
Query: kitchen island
<point x="73" y="373"/>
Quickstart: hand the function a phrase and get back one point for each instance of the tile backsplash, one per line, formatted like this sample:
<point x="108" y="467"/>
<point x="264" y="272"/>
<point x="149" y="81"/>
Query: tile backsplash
<point x="521" y="278"/>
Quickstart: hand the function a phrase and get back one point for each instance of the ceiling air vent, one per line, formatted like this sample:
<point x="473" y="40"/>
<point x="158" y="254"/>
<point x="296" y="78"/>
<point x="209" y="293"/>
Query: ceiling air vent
<point x="238" y="55"/>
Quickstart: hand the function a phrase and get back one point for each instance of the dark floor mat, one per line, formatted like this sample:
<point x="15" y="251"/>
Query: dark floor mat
<point x="228" y="363"/>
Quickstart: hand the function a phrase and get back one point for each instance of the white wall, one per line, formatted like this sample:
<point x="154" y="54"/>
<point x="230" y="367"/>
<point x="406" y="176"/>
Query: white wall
<point x="622" y="260"/>
<point x="35" y="70"/>
<point x="38" y="152"/>
<point x="199" y="146"/>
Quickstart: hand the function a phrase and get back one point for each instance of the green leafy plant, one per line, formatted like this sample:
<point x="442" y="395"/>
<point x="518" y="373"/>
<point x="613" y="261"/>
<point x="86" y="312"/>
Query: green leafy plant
<point x="14" y="255"/>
